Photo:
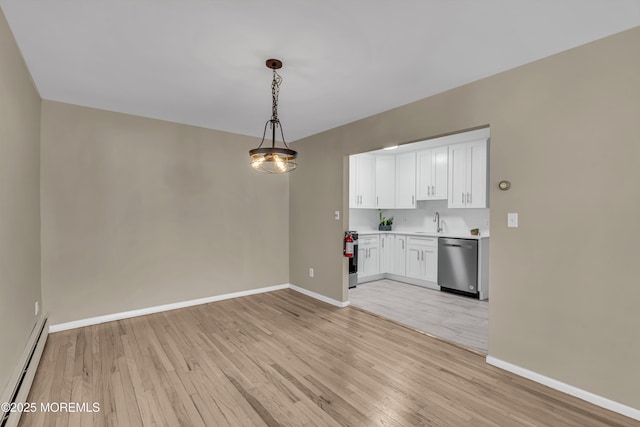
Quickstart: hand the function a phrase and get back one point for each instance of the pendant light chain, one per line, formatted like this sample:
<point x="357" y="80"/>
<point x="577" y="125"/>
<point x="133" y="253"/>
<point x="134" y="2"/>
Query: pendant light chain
<point x="275" y="91"/>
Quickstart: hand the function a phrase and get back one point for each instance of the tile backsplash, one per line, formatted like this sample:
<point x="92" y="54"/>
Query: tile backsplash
<point x="455" y="221"/>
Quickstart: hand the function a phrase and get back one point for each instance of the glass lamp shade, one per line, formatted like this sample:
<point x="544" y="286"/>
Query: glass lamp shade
<point x="273" y="160"/>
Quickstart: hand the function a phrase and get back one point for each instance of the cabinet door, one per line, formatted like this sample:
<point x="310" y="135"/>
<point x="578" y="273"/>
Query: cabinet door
<point x="366" y="181"/>
<point x="400" y="256"/>
<point x="430" y="257"/>
<point x="353" y="187"/>
<point x="406" y="181"/>
<point x="424" y="174"/>
<point x="477" y="174"/>
<point x="414" y="262"/>
<point x="372" y="265"/>
<point x="385" y="182"/>
<point x="457" y="175"/>
<point x="440" y="180"/>
<point x="386" y="252"/>
<point x="361" y="257"/>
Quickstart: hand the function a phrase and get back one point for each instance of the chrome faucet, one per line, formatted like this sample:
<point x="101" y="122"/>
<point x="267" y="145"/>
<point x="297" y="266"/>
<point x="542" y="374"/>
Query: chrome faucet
<point x="436" y="219"/>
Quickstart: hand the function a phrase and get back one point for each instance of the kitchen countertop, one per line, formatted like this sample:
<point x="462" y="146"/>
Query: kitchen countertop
<point x="424" y="234"/>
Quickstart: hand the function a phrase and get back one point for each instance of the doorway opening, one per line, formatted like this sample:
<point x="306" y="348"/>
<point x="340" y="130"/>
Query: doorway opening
<point x="405" y="203"/>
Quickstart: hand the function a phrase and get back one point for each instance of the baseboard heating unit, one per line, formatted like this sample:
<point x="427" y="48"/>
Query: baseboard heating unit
<point x="18" y="387"/>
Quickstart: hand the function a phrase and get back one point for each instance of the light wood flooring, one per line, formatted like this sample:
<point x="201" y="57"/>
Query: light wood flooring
<point x="282" y="358"/>
<point x="455" y="318"/>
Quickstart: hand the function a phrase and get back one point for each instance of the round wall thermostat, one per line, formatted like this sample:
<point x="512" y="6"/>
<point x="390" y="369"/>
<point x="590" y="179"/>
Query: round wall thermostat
<point x="504" y="185"/>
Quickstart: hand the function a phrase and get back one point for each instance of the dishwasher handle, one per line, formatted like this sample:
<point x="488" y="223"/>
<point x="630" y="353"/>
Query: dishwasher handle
<point x="453" y="245"/>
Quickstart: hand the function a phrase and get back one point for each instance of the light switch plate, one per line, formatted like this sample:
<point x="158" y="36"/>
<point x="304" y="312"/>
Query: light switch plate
<point x="512" y="220"/>
<point x="336" y="215"/>
<point x="311" y="272"/>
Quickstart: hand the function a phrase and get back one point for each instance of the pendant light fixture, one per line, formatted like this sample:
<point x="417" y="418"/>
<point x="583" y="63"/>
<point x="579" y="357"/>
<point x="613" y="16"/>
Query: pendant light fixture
<point x="273" y="159"/>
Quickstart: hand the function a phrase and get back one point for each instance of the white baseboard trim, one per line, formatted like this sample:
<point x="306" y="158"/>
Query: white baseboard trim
<point x="319" y="297"/>
<point x="159" y="308"/>
<point x="566" y="388"/>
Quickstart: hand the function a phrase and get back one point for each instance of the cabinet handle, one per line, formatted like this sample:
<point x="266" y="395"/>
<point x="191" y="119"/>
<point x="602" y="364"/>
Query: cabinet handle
<point x="402" y="244"/>
<point x="469" y="198"/>
<point x="377" y="201"/>
<point x="428" y="190"/>
<point x="413" y="200"/>
<point x="417" y="256"/>
<point x="463" y="198"/>
<point x="433" y="190"/>
<point x="383" y="244"/>
<point x="422" y="252"/>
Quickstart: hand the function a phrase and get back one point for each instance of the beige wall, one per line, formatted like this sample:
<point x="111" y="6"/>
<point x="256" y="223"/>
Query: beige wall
<point x="565" y="131"/>
<point x="19" y="203"/>
<point x="139" y="212"/>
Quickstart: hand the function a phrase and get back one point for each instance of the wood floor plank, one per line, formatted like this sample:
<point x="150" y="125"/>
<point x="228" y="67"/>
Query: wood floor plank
<point x="284" y="359"/>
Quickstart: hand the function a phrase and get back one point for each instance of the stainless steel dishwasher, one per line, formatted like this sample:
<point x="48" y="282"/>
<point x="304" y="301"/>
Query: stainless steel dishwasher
<point x="458" y="265"/>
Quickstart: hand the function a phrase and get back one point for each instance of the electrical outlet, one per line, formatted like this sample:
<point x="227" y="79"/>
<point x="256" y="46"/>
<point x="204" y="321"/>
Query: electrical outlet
<point x="311" y="272"/>
<point x="37" y="307"/>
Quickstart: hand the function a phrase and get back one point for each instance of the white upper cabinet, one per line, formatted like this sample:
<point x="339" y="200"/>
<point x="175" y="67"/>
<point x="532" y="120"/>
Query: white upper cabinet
<point x="406" y="181"/>
<point x="432" y="174"/>
<point x="362" y="181"/>
<point x="468" y="175"/>
<point x="353" y="191"/>
<point x="385" y="182"/>
<point x="455" y="170"/>
<point x="478" y="172"/>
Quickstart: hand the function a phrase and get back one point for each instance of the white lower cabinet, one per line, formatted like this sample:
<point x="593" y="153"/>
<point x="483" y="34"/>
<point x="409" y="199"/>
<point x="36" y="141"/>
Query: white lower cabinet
<point x="422" y="258"/>
<point x="368" y="256"/>
<point x="399" y="256"/>
<point x="413" y="259"/>
<point x="387" y="243"/>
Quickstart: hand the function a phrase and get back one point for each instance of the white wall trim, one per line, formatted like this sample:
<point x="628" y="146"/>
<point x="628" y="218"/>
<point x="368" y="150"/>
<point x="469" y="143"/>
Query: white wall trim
<point x="319" y="297"/>
<point x="159" y="308"/>
<point x="173" y="306"/>
<point x="566" y="388"/>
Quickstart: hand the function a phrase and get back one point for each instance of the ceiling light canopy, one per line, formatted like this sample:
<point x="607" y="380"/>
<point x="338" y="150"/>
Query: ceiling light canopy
<point x="274" y="159"/>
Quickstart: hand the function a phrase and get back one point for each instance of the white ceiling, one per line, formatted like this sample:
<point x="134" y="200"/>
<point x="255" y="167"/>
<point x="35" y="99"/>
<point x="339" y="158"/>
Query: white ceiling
<point x="201" y="62"/>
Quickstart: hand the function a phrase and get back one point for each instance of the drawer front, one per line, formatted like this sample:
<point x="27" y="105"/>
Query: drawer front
<point x="425" y="241"/>
<point x="368" y="241"/>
